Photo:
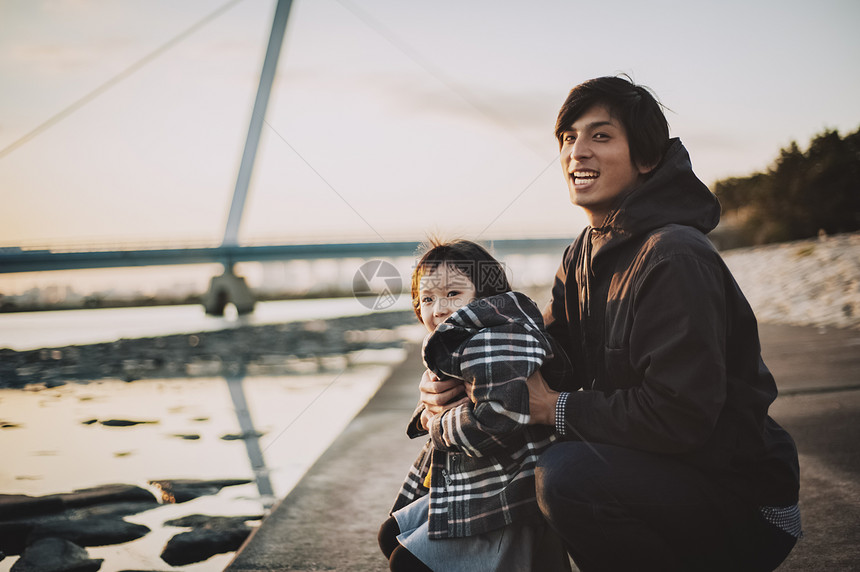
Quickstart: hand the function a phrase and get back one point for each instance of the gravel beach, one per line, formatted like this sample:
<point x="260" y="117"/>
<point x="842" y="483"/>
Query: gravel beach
<point x="812" y="282"/>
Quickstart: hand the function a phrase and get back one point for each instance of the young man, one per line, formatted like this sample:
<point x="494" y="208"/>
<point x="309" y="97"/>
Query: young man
<point x="669" y="460"/>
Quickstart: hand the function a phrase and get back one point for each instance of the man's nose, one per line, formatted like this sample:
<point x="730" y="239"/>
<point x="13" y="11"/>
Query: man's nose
<point x="580" y="149"/>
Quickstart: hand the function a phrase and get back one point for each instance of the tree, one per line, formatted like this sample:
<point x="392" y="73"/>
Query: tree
<point x="801" y="194"/>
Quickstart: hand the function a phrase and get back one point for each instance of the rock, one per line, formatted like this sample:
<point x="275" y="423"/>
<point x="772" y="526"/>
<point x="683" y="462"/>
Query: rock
<point x="125" y="423"/>
<point x="22" y="506"/>
<point x="111" y="510"/>
<point x="182" y="490"/>
<point x="87" y="522"/>
<point x="107" y="494"/>
<point x="211" y="535"/>
<point x="56" y="555"/>
<point x="242" y="436"/>
<point x="90" y="531"/>
<point x="13" y="536"/>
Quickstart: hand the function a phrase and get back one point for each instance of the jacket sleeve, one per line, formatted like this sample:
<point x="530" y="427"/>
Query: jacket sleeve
<point x="414" y="429"/>
<point x="494" y="363"/>
<point x="672" y="369"/>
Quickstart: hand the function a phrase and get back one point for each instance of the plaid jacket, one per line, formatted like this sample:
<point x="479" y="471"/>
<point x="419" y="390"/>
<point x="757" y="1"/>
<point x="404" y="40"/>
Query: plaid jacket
<point x="484" y="453"/>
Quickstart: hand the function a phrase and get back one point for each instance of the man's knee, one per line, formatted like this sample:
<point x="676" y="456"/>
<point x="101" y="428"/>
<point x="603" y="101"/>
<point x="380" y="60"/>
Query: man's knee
<point x="566" y="474"/>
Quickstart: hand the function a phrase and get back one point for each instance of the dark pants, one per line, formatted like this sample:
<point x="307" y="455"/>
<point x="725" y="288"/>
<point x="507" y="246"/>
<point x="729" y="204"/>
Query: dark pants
<point x="618" y="509"/>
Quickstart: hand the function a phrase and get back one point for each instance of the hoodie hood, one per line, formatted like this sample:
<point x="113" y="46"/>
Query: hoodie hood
<point x="673" y="194"/>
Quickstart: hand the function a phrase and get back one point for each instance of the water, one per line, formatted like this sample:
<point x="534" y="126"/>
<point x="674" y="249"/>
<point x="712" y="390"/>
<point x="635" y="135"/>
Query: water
<point x="49" y="449"/>
<point x="31" y="330"/>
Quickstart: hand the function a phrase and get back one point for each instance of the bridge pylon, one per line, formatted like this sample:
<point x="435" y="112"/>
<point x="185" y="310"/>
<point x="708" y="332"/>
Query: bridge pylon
<point x="228" y="288"/>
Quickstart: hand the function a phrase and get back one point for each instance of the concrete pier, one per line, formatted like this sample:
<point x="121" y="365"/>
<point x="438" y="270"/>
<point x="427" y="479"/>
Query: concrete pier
<point x="330" y="520"/>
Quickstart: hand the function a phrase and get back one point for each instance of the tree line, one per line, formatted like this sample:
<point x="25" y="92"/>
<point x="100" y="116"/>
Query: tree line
<point x="801" y="194"/>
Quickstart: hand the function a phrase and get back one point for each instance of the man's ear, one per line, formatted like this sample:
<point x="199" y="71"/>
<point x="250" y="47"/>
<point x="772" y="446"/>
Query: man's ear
<point x="645" y="169"/>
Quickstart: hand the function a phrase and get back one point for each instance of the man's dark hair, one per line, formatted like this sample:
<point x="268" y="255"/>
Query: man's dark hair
<point x="469" y="258"/>
<point x="633" y="105"/>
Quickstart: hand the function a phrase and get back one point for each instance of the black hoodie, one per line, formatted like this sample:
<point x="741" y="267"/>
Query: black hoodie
<point x="665" y="345"/>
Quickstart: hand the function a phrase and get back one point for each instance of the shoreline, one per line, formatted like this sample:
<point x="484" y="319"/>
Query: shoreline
<point x="290" y="348"/>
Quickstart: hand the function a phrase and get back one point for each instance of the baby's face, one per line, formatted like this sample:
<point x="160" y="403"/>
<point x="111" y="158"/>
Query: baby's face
<point x="442" y="292"/>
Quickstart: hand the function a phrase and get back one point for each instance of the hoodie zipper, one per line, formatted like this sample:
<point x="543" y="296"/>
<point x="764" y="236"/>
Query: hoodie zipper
<point x="584" y="301"/>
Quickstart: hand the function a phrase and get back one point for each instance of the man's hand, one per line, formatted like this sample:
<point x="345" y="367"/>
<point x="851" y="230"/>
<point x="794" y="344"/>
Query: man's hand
<point x="542" y="400"/>
<point x="438" y="395"/>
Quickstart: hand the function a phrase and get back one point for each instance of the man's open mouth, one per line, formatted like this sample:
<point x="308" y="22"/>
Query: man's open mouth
<point x="583" y="177"/>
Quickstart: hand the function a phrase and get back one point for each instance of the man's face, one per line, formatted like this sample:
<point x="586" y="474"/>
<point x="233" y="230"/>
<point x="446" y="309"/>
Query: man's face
<point x="595" y="156"/>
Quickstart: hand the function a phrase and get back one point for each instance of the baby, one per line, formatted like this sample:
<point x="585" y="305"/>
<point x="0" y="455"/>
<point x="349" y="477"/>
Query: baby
<point x="468" y="503"/>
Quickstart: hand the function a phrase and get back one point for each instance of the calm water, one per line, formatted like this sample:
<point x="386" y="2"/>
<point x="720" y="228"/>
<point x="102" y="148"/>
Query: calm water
<point x="31" y="330"/>
<point x="49" y="449"/>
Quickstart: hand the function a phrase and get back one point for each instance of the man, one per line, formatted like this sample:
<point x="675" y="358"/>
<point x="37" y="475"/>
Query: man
<point x="668" y="459"/>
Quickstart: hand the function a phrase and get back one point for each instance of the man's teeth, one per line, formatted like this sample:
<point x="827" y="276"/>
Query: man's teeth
<point x="584" y="176"/>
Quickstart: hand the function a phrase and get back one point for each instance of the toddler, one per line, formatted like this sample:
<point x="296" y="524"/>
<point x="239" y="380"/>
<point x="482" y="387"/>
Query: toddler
<point x="468" y="503"/>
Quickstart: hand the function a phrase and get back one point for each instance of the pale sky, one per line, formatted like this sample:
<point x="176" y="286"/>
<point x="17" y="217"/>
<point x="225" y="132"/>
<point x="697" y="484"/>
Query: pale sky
<point x="389" y="119"/>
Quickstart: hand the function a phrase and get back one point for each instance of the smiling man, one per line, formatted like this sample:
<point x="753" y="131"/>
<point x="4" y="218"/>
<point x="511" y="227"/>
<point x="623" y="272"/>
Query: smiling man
<point x="668" y="459"/>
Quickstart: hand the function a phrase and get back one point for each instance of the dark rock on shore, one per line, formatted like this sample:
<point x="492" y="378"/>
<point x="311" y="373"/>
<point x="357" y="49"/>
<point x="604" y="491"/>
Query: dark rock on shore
<point x="89" y="532"/>
<point x="125" y="423"/>
<point x="56" y="555"/>
<point x="90" y="517"/>
<point x="107" y="494"/>
<point x="22" y="506"/>
<point x="281" y="349"/>
<point x="183" y="490"/>
<point x="210" y="535"/>
<point x="16" y="536"/>
<point x="242" y="436"/>
<point x="111" y="510"/>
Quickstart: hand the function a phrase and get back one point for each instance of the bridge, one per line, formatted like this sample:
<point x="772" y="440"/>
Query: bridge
<point x="229" y="287"/>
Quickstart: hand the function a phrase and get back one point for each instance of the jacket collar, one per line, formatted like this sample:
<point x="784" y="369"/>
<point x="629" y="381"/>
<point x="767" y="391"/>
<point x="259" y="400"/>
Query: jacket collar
<point x="672" y="194"/>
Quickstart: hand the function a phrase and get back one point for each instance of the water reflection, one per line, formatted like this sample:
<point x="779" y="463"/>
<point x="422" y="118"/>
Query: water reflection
<point x="50" y="445"/>
<point x="250" y="436"/>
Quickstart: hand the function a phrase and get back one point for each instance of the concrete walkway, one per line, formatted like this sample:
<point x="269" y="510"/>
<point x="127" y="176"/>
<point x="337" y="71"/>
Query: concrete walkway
<point x="329" y="521"/>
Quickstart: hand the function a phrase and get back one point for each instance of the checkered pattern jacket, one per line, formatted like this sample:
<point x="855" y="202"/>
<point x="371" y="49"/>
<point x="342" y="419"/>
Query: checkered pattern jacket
<point x="483" y="453"/>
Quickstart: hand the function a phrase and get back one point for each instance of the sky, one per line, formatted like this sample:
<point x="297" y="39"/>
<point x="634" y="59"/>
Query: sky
<point x="388" y="120"/>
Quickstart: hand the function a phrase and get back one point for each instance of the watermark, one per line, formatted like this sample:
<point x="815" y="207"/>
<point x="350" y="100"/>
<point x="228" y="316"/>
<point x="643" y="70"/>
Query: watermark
<point x="488" y="277"/>
<point x="377" y="285"/>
